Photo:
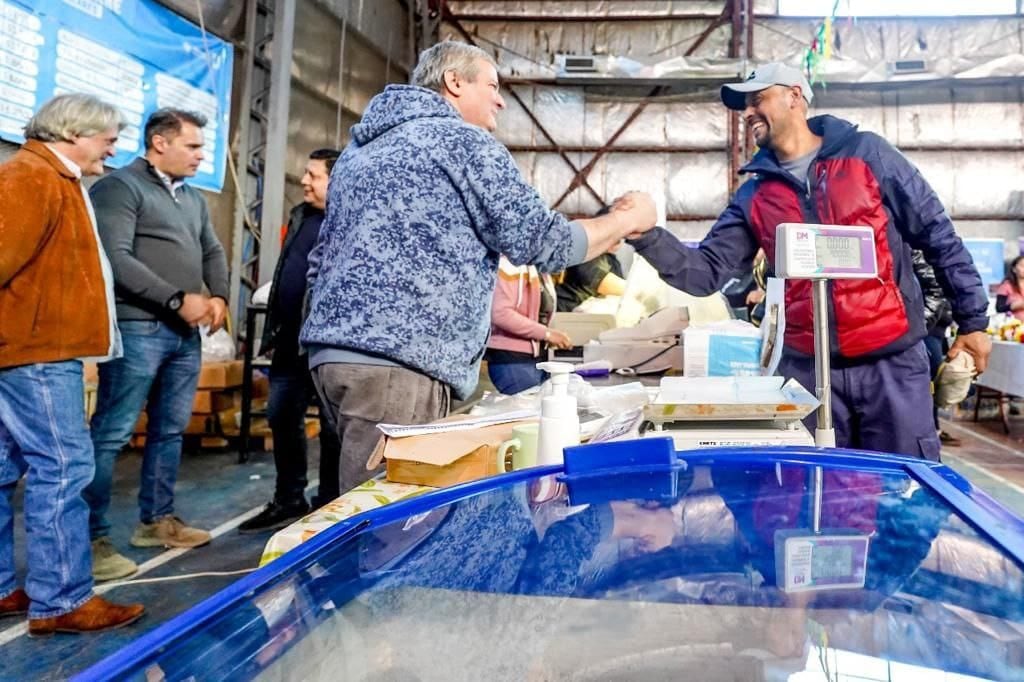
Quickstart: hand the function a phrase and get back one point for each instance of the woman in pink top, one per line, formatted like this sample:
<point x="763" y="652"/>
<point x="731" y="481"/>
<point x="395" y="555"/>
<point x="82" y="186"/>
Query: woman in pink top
<point x="524" y="301"/>
<point x="1010" y="294"/>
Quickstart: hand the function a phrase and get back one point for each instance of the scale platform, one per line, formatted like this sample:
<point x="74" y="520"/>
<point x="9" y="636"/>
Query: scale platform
<point x="715" y="399"/>
<point x="693" y="435"/>
<point x="703" y="412"/>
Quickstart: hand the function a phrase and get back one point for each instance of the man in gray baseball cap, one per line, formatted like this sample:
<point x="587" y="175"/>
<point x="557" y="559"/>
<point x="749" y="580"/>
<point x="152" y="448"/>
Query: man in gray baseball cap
<point x="734" y="95"/>
<point x="823" y="170"/>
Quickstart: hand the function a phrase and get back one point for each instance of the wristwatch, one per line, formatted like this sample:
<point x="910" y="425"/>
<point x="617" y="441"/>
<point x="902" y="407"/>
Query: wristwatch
<point x="174" y="302"/>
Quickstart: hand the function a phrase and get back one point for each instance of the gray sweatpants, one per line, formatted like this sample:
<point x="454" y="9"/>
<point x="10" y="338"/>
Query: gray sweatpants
<point x="358" y="397"/>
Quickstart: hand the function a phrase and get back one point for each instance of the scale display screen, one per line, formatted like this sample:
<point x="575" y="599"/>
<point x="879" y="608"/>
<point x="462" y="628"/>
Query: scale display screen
<point x="837" y="252"/>
<point x="829" y="561"/>
<point x="825" y="251"/>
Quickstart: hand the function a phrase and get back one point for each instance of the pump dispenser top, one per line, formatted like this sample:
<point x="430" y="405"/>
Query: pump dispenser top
<point x="559" y="422"/>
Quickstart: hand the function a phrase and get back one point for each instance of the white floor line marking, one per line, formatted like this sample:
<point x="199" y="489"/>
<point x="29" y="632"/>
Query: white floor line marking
<point x="991" y="474"/>
<point x="10" y="634"/>
<point x="984" y="439"/>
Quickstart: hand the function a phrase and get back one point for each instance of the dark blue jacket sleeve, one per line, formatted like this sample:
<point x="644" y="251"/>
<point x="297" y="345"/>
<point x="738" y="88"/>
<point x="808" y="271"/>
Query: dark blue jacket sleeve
<point x="701" y="271"/>
<point x="552" y="566"/>
<point x="925" y="225"/>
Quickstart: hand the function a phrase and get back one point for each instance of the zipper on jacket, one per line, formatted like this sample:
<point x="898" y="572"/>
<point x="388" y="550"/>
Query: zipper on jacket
<point x="811" y="210"/>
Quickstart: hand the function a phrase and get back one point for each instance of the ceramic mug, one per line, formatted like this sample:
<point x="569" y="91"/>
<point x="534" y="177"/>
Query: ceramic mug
<point x="522" y="445"/>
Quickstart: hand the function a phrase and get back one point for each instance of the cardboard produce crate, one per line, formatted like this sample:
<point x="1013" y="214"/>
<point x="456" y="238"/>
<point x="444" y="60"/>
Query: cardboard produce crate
<point x="439" y="460"/>
<point x="208" y="401"/>
<point x="226" y="374"/>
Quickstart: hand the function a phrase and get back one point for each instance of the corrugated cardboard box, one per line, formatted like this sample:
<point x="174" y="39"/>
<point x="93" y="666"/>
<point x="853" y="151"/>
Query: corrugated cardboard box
<point x="207" y="401"/>
<point x="442" y="459"/>
<point x="221" y="374"/>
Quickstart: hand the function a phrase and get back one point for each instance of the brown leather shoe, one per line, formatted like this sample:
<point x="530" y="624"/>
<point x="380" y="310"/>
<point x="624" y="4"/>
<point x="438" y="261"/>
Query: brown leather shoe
<point x="14" y="604"/>
<point x="95" y="615"/>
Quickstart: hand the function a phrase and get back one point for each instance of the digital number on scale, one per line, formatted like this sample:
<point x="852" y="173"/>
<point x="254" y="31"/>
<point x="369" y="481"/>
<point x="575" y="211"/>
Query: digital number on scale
<point x="837" y="252"/>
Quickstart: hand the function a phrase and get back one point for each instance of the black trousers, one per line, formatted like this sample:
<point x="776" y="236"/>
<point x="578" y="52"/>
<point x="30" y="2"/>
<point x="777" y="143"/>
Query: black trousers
<point x="291" y="394"/>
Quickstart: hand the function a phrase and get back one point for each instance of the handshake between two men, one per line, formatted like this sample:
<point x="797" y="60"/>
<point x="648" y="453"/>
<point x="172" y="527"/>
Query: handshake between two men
<point x="631" y="215"/>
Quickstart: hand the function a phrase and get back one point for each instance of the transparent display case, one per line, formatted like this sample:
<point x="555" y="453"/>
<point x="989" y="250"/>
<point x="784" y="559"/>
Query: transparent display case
<point x="729" y="564"/>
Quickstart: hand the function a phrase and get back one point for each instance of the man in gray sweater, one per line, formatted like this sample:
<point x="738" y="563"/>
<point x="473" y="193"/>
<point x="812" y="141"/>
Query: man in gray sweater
<point x="157" y="233"/>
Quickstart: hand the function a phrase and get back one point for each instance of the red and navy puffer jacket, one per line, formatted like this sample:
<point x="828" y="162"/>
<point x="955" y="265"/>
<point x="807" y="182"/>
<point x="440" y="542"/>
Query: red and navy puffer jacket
<point x="857" y="178"/>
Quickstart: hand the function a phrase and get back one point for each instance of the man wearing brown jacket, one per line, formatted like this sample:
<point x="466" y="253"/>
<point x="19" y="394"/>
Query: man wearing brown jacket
<point x="56" y="308"/>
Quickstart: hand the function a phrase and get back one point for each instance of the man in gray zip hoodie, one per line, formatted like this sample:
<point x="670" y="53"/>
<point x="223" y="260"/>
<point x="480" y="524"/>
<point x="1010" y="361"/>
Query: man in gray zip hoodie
<point x="420" y="206"/>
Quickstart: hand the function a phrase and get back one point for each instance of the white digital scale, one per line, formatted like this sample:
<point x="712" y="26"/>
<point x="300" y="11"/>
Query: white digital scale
<point x="822" y="559"/>
<point x="808" y="559"/>
<point x="803" y="251"/>
<point x="735" y="411"/>
<point x="820" y="253"/>
<point x="723" y="434"/>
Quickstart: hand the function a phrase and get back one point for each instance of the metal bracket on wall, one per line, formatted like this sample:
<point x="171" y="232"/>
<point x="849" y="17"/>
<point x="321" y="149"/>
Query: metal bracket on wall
<point x="260" y="147"/>
<point x="250" y="145"/>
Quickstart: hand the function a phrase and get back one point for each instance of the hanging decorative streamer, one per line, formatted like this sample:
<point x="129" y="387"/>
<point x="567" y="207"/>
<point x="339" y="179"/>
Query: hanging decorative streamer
<point x="820" y="50"/>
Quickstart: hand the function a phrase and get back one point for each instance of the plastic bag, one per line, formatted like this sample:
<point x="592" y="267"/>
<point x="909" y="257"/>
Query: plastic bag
<point x="953" y="380"/>
<point x="218" y="346"/>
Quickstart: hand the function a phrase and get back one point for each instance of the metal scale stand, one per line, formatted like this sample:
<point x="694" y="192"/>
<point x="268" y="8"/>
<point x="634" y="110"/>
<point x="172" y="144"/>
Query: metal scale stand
<point x="820" y="253"/>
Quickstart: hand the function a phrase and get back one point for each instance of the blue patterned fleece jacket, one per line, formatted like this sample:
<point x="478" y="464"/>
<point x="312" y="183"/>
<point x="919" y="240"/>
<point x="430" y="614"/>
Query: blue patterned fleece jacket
<point x="419" y="207"/>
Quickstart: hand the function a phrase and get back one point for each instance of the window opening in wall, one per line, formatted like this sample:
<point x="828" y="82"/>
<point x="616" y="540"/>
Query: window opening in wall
<point x="896" y="8"/>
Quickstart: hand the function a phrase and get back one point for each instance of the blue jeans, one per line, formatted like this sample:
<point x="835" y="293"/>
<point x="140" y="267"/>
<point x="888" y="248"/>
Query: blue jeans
<point x="160" y="369"/>
<point x="42" y="432"/>
<point x="513" y="377"/>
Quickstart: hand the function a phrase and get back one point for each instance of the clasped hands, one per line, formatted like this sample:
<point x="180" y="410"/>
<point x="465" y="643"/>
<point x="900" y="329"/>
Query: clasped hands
<point x="198" y="310"/>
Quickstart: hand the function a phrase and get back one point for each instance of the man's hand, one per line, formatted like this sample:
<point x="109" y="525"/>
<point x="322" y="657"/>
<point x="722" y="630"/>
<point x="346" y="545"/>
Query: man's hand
<point x="558" y="339"/>
<point x="653" y="529"/>
<point x="977" y="344"/>
<point x="632" y="214"/>
<point x="755" y="296"/>
<point x="195" y="310"/>
<point x="220" y="313"/>
<point x="637" y="211"/>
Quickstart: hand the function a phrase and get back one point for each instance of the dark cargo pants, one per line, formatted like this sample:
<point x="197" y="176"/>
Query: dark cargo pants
<point x="884" y="404"/>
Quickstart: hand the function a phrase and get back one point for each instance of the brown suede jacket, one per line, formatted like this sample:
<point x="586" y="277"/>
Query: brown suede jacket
<point x="53" y="304"/>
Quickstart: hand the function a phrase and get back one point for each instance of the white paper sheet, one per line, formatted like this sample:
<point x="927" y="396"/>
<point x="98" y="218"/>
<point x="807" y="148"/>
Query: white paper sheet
<point x="402" y="431"/>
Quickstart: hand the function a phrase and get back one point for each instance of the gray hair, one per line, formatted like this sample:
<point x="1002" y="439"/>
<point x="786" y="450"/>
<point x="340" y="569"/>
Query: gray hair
<point x="66" y="117"/>
<point x="450" y="55"/>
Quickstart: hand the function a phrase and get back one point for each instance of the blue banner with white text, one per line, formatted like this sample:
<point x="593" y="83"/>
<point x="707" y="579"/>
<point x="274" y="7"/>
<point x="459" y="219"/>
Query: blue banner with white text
<point x="135" y="54"/>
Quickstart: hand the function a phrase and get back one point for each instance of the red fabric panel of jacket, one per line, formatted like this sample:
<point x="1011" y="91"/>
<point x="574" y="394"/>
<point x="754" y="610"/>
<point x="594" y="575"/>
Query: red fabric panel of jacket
<point x="869" y="313"/>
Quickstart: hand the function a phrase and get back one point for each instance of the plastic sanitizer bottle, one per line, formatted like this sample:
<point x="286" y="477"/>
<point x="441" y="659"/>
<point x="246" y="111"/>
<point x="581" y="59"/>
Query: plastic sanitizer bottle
<point x="559" y="422"/>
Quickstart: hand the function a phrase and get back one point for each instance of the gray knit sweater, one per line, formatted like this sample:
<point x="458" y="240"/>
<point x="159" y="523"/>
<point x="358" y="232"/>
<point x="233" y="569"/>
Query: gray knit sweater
<point x="157" y="244"/>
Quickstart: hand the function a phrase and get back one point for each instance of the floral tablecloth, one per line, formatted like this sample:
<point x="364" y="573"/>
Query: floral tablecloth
<point x="374" y="493"/>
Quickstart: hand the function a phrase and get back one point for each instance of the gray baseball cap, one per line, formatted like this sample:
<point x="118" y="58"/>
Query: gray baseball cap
<point x="734" y="95"/>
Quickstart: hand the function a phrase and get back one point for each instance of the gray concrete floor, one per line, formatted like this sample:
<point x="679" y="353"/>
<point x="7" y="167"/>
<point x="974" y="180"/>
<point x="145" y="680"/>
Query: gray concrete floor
<point x="212" y="488"/>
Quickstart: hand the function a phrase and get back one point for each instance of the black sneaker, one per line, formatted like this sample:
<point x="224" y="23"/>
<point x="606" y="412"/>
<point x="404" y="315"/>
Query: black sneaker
<point x="274" y="517"/>
<point x="319" y="500"/>
<point x="949" y="440"/>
